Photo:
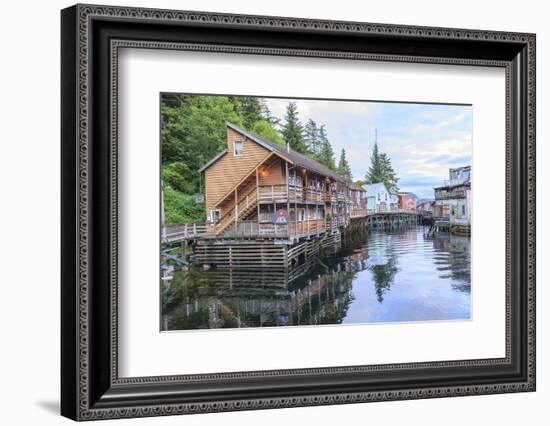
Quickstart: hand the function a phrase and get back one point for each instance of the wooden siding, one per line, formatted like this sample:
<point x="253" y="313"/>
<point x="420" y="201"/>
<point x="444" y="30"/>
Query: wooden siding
<point x="224" y="174"/>
<point x="274" y="175"/>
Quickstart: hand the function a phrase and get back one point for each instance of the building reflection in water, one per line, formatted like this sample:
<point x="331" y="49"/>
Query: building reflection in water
<point x="371" y="277"/>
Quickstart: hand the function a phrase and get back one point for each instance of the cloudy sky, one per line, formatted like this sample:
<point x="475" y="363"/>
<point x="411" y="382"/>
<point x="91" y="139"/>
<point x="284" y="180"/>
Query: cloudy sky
<point x="423" y="141"/>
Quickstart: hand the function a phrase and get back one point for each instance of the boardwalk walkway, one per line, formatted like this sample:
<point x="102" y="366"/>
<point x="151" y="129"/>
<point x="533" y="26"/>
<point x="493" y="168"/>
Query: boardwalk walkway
<point x="182" y="232"/>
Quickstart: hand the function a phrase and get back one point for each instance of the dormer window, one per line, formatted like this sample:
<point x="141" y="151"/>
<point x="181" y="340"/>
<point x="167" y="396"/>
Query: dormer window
<point x="238" y="148"/>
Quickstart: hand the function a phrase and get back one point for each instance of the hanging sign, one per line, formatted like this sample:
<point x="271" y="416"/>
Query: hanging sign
<point x="281" y="217"/>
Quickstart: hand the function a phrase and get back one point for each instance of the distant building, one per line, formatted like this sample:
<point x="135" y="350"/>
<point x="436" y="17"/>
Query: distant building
<point x="407" y="200"/>
<point x="453" y="200"/>
<point x="394" y="201"/>
<point x="357" y="204"/>
<point x="378" y="197"/>
<point x="424" y="205"/>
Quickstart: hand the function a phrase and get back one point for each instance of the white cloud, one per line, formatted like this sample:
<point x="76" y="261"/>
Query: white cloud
<point x="423" y="141"/>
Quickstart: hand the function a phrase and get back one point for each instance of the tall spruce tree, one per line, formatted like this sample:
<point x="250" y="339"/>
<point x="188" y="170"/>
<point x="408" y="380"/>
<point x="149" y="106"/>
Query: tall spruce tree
<point x="249" y="108"/>
<point x="344" y="168"/>
<point x="293" y="131"/>
<point x="390" y="178"/>
<point x="381" y="170"/>
<point x="266" y="114"/>
<point x="311" y="136"/>
<point x="375" y="173"/>
<point x="326" y="154"/>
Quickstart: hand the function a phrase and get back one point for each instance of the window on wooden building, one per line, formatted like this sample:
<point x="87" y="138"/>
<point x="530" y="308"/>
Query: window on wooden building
<point x="238" y="148"/>
<point x="215" y="215"/>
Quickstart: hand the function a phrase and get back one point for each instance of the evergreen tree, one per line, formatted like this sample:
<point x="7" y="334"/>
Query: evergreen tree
<point x="343" y="166"/>
<point x="265" y="129"/>
<point x="390" y="178"/>
<point x="311" y="135"/>
<point x="375" y="173"/>
<point x="293" y="131"/>
<point x="266" y="114"/>
<point x="326" y="154"/>
<point x="381" y="170"/>
<point x="249" y="108"/>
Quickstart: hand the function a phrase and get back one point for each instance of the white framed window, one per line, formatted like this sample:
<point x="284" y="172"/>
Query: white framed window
<point x="238" y="148"/>
<point x="215" y="215"/>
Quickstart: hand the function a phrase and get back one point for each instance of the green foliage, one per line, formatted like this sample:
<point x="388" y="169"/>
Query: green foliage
<point x="311" y="136"/>
<point x="344" y="168"/>
<point x="248" y="108"/>
<point x="390" y="178"/>
<point x="266" y="114"/>
<point x="265" y="129"/>
<point x="326" y="154"/>
<point x="383" y="277"/>
<point x="178" y="176"/>
<point x="194" y="132"/>
<point x="293" y="131"/>
<point x="381" y="170"/>
<point x="180" y="208"/>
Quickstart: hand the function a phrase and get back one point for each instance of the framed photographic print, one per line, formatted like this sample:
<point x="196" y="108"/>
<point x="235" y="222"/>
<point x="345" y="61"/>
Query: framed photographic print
<point x="263" y="212"/>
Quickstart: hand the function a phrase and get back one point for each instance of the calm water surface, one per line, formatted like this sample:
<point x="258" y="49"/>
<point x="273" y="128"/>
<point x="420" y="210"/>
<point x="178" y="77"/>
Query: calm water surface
<point x="374" y="276"/>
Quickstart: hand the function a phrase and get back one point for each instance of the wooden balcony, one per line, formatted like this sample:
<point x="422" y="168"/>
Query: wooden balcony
<point x="280" y="193"/>
<point x="457" y="193"/>
<point x="315" y="195"/>
<point x="341" y="196"/>
<point x="254" y="229"/>
<point x="272" y="193"/>
<point x="307" y="227"/>
<point x="330" y="196"/>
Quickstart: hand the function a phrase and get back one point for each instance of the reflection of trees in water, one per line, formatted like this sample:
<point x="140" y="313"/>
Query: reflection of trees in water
<point x="319" y="292"/>
<point x="383" y="276"/>
<point x="224" y="299"/>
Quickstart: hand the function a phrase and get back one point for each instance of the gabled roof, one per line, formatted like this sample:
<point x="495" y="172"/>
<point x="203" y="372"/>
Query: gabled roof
<point x="216" y="158"/>
<point x="296" y="158"/>
<point x="374" y="189"/>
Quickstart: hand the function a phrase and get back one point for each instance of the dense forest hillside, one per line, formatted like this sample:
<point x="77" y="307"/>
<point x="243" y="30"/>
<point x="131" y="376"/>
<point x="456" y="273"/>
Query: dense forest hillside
<point x="194" y="131"/>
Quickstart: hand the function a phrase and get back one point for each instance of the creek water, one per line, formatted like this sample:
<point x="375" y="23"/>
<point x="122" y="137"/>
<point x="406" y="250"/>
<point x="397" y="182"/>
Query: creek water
<point x="372" y="277"/>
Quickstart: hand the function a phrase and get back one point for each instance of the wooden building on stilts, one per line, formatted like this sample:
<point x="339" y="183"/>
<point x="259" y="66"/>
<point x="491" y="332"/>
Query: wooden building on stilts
<point x="269" y="206"/>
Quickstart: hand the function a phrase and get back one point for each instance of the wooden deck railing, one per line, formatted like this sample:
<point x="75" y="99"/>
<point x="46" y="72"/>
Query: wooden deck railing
<point x="312" y="226"/>
<point x="252" y="229"/>
<point x="330" y="196"/>
<point x="272" y="192"/>
<point x="313" y="194"/>
<point x="183" y="231"/>
<point x="296" y="193"/>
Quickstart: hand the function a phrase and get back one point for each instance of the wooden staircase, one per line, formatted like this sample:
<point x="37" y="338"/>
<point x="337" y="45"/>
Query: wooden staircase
<point x="247" y="201"/>
<point x="246" y="205"/>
